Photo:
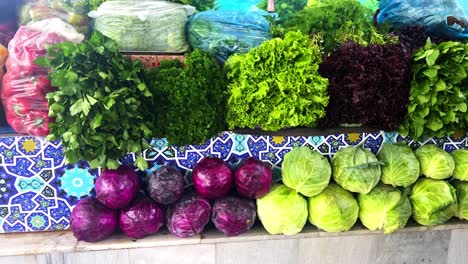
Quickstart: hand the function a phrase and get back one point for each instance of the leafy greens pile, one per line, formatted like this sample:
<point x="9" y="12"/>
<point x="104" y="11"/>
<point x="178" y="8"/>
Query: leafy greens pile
<point x="277" y="85"/>
<point x="189" y="100"/>
<point x="368" y="85"/>
<point x="439" y="89"/>
<point x="102" y="107"/>
<point x="285" y="8"/>
<point x="200" y="5"/>
<point x="337" y="22"/>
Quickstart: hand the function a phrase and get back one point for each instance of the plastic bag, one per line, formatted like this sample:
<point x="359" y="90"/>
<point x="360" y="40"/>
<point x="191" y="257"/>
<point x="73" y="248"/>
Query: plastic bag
<point x="71" y="11"/>
<point x="239" y="5"/>
<point x="25" y="84"/>
<point x="144" y="25"/>
<point x="442" y="18"/>
<point x="3" y="58"/>
<point x="224" y="33"/>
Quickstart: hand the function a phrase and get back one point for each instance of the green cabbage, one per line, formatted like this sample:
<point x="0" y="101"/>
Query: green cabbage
<point x="461" y="164"/>
<point x="435" y="163"/>
<point x="462" y="199"/>
<point x="385" y="207"/>
<point x="333" y="210"/>
<point x="434" y="201"/>
<point x="356" y="169"/>
<point x="400" y="165"/>
<point x="306" y="171"/>
<point x="282" y="211"/>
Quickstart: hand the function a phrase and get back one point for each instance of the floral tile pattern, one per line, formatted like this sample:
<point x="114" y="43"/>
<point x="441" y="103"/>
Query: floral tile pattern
<point x="38" y="191"/>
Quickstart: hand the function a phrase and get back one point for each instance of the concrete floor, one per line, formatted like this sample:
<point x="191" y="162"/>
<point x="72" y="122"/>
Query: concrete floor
<point x="438" y="247"/>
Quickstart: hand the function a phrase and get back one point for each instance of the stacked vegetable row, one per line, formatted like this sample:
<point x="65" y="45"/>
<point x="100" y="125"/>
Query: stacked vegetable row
<point x="383" y="192"/>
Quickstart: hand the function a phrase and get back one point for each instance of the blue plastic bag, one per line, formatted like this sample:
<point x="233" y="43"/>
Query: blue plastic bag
<point x="446" y="18"/>
<point x="223" y="33"/>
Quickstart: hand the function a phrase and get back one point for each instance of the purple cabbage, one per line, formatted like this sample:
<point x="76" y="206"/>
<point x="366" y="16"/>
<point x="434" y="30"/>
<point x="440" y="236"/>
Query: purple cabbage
<point x="92" y="221"/>
<point x="117" y="188"/>
<point x="212" y="177"/>
<point x="188" y="216"/>
<point x="233" y="215"/>
<point x="253" y="178"/>
<point x="144" y="217"/>
<point x="166" y="185"/>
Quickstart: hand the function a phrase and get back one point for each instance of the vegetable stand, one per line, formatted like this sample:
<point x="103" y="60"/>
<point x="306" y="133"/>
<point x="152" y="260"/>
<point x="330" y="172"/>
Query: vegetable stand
<point x="186" y="120"/>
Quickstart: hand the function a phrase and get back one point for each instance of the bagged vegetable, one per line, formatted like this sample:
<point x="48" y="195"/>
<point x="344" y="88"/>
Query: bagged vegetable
<point x="223" y="33"/>
<point x="442" y="18"/>
<point x="25" y="84"/>
<point x="144" y="25"/>
<point x="70" y="11"/>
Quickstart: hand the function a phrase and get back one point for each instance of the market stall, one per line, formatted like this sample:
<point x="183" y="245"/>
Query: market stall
<point x="148" y="118"/>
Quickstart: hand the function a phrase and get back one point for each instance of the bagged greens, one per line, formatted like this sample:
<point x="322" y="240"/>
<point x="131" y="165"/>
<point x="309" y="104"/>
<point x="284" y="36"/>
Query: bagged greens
<point x="460" y="157"/>
<point x="356" y="169"/>
<point x="306" y="171"/>
<point x="400" y="165"/>
<point x="435" y="163"/>
<point x="282" y="211"/>
<point x="144" y="25"/>
<point x="434" y="201"/>
<point x="223" y="33"/>
<point x="333" y="210"/>
<point x="385" y="208"/>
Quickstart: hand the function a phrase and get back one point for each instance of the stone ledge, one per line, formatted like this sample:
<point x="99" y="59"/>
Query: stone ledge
<point x="18" y="244"/>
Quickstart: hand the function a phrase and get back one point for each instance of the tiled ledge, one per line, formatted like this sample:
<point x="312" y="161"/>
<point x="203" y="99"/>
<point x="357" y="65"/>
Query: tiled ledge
<point x="63" y="241"/>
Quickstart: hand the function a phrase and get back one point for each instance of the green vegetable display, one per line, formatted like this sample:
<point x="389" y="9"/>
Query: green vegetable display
<point x="356" y="169"/>
<point x="400" y="165"/>
<point x="333" y="210"/>
<point x="200" y="5"/>
<point x="434" y="201"/>
<point x="435" y="163"/>
<point x="460" y="157"/>
<point x="306" y="171"/>
<point x="337" y="22"/>
<point x="438" y="97"/>
<point x="384" y="208"/>
<point x="277" y="85"/>
<point x="462" y="199"/>
<point x="144" y="25"/>
<point x="282" y="211"/>
<point x="189" y="100"/>
<point x="102" y="107"/>
<point x="284" y="8"/>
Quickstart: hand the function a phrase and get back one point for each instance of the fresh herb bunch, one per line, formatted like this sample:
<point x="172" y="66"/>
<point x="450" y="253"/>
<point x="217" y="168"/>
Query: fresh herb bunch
<point x="284" y="8"/>
<point x="368" y="85"/>
<point x="94" y="4"/>
<point x="102" y="107"/>
<point x="277" y="85"/>
<point x="337" y="22"/>
<point x="200" y="5"/>
<point x="190" y="99"/>
<point x="439" y="90"/>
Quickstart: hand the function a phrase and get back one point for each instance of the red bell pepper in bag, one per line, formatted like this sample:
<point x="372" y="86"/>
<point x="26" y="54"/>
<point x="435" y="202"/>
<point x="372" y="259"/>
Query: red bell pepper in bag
<point x="25" y="85"/>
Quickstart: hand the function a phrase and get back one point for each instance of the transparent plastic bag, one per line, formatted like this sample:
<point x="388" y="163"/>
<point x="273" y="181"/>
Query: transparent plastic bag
<point x="144" y="25"/>
<point x="223" y="33"/>
<point x="442" y="18"/>
<point x="73" y="12"/>
<point x="26" y="84"/>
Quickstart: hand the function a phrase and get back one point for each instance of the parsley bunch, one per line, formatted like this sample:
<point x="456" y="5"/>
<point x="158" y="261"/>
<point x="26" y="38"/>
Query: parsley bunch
<point x="102" y="107"/>
<point x="190" y="99"/>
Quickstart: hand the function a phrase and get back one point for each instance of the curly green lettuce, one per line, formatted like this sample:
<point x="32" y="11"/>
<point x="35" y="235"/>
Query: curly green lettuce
<point x="277" y="85"/>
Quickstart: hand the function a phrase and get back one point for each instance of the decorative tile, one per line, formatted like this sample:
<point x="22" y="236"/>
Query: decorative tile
<point x="38" y="191"/>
